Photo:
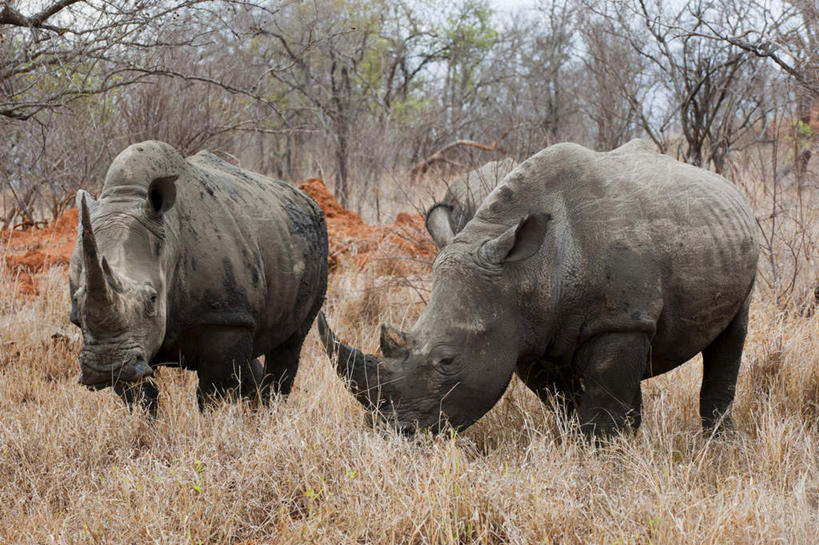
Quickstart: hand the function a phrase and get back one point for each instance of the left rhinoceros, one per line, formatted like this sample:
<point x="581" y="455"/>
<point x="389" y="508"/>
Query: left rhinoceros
<point x="198" y="263"/>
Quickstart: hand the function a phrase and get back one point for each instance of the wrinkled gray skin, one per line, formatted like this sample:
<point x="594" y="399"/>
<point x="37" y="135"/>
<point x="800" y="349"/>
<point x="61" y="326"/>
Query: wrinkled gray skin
<point x="585" y="273"/>
<point x="198" y="263"/>
<point x="464" y="195"/>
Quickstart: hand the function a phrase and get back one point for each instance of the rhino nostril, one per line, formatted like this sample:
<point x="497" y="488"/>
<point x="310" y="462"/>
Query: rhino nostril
<point x="142" y="369"/>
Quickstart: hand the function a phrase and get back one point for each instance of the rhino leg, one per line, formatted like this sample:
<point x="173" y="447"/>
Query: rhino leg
<point x="225" y="365"/>
<point x="237" y="378"/>
<point x="280" y="367"/>
<point x="721" y="360"/>
<point x="634" y="417"/>
<point x="611" y="365"/>
<point x="144" y="394"/>
<point x="552" y="385"/>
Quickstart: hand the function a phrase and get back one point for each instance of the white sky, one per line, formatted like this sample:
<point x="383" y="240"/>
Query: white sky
<point x="511" y="5"/>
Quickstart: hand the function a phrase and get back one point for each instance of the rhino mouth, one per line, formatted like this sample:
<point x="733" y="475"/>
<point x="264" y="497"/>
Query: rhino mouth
<point x="95" y="378"/>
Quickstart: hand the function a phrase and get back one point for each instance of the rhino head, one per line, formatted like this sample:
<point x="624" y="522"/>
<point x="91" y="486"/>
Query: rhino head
<point x="118" y="284"/>
<point x="457" y="360"/>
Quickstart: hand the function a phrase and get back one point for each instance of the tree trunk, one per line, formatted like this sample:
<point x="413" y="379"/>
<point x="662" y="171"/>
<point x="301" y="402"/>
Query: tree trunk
<point x="342" y="187"/>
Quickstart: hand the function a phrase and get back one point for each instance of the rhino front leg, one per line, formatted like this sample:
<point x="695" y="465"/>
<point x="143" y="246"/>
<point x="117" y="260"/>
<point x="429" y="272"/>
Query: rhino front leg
<point x="144" y="394"/>
<point x="721" y="360"/>
<point x="551" y="383"/>
<point x="611" y="365"/>
<point x="225" y="365"/>
<point x="280" y="367"/>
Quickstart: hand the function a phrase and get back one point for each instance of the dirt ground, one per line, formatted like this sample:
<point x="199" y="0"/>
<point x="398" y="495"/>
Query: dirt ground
<point x="28" y="254"/>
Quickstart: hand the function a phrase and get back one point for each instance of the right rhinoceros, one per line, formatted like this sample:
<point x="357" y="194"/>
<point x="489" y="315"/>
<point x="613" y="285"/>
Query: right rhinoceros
<point x="464" y="195"/>
<point x="584" y="273"/>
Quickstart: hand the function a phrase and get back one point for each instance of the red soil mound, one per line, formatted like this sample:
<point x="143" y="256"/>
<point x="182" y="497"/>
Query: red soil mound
<point x="27" y="254"/>
<point x="350" y="237"/>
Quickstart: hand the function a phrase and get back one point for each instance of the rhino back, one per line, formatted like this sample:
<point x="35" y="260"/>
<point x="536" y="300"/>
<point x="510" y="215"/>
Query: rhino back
<point x="638" y="241"/>
<point x="252" y="252"/>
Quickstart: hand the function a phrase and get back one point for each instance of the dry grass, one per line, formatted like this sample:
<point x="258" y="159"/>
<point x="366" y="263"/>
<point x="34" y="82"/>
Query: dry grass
<point x="78" y="467"/>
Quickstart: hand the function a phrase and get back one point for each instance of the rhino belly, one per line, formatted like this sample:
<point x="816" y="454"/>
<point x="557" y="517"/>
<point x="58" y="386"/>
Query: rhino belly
<point x="708" y="266"/>
<point x="693" y="317"/>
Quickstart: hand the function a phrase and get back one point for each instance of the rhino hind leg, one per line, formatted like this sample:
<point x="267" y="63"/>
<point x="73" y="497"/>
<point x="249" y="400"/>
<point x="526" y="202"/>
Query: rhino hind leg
<point x="721" y="361"/>
<point x="611" y="365"/>
<point x="143" y="394"/>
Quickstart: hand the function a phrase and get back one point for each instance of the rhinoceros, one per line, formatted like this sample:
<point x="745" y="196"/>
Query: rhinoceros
<point x="584" y="273"/>
<point x="198" y="263"/>
<point x="464" y="195"/>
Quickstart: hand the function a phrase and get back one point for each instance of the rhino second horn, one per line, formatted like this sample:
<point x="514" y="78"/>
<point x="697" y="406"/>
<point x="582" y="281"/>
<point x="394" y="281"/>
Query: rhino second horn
<point x="111" y="278"/>
<point x="95" y="283"/>
<point x="394" y="342"/>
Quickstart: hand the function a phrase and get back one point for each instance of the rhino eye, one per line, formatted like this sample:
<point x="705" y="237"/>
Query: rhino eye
<point x="150" y="306"/>
<point x="446" y="366"/>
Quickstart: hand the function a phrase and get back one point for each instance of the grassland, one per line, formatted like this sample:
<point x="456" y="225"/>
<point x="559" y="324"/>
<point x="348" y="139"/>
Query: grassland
<point x="77" y="467"/>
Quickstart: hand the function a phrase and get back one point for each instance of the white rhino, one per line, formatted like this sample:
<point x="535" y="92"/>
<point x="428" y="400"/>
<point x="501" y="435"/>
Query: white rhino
<point x="585" y="273"/>
<point x="198" y="263"/>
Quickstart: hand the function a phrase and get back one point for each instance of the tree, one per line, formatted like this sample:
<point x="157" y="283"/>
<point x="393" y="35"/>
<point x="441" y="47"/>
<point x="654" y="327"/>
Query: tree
<point x="317" y="53"/>
<point x="786" y="34"/>
<point x="617" y="81"/>
<point x="711" y="90"/>
<point x="68" y="67"/>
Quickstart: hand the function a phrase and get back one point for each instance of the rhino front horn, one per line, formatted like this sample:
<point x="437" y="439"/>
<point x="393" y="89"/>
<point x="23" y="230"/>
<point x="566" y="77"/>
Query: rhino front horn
<point x="359" y="369"/>
<point x="95" y="283"/>
<point x="328" y="338"/>
<point x="348" y="357"/>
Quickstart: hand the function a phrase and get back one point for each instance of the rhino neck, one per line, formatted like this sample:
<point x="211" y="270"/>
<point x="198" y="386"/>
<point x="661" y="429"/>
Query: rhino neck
<point x="556" y="319"/>
<point x="536" y="292"/>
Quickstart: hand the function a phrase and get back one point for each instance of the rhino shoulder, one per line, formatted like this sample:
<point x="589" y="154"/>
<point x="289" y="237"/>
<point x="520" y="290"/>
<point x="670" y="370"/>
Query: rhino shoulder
<point x="564" y="153"/>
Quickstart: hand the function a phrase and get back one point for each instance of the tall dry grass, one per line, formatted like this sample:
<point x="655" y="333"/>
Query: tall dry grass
<point x="77" y="467"/>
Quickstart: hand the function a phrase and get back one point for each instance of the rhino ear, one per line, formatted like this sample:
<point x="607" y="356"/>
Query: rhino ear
<point x="438" y="224"/>
<point x="519" y="242"/>
<point x="394" y="343"/>
<point x="161" y="195"/>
